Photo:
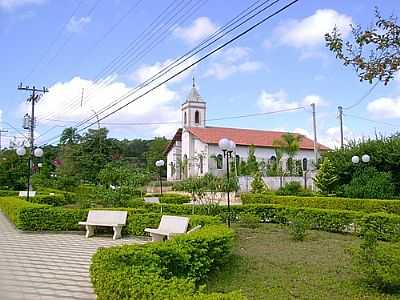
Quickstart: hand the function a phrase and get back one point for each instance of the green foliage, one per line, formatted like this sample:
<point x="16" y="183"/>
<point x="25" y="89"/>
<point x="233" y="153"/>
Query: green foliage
<point x="249" y="220"/>
<point x="258" y="185"/>
<point x="374" y="51"/>
<point x="290" y="144"/>
<point x="326" y="179"/>
<point x="369" y="183"/>
<point x="53" y="200"/>
<point x="67" y="183"/>
<point x="293" y="188"/>
<point x="378" y="263"/>
<point x="11" y="207"/>
<point x="384" y="153"/>
<point x="365" y="205"/>
<point x="171" y="198"/>
<point x="8" y="193"/>
<point x="251" y="164"/>
<point x="298" y="226"/>
<point x="161" y="270"/>
<point x="156" y="152"/>
<point x="385" y="226"/>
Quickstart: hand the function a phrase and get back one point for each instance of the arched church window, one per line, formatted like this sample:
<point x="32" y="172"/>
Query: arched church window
<point x="185" y="118"/>
<point x="197" y="117"/>
<point x="201" y="164"/>
<point x="219" y="161"/>
<point x="305" y="162"/>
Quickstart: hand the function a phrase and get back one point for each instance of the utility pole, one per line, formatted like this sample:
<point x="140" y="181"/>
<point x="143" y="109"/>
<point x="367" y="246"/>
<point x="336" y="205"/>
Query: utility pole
<point x="340" y="109"/>
<point x="315" y="134"/>
<point x="34" y="98"/>
<point x="2" y="131"/>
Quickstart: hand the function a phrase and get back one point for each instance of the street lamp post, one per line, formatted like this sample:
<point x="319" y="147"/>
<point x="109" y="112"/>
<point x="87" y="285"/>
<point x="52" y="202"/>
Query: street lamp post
<point x="38" y="152"/>
<point x="227" y="146"/>
<point x="160" y="164"/>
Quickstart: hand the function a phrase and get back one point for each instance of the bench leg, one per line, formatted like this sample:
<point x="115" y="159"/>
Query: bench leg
<point x="89" y="231"/>
<point x="117" y="232"/>
<point x="156" y="237"/>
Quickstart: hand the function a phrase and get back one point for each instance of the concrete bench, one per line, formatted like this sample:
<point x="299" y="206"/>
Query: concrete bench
<point x="25" y="194"/>
<point x="169" y="226"/>
<point x="151" y="200"/>
<point x="109" y="218"/>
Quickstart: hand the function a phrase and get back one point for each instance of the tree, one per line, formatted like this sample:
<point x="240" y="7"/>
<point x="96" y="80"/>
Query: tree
<point x="374" y="52"/>
<point x="252" y="164"/>
<point x="290" y="144"/>
<point x="70" y="136"/>
<point x="326" y="179"/>
<point x="156" y="152"/>
<point x="258" y="185"/>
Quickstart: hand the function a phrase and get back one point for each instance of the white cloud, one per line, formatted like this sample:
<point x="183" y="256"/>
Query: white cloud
<point x="279" y="101"/>
<point x="331" y="137"/>
<point x="11" y="4"/>
<point x="385" y="108"/>
<point x="200" y="29"/>
<point x="160" y="105"/>
<point x="78" y="24"/>
<point x="310" y="31"/>
<point x="232" y="61"/>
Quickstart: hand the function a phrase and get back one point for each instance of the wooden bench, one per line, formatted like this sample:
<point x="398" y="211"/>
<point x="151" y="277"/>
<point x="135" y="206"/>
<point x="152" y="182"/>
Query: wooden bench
<point x="25" y="194"/>
<point x="169" y="226"/>
<point x="109" y="218"/>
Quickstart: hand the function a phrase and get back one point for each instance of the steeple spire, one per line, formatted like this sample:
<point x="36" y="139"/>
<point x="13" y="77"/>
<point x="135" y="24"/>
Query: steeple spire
<point x="193" y="82"/>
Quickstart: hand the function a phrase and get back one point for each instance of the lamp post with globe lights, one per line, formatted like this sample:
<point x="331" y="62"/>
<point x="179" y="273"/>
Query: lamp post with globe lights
<point x="160" y="163"/>
<point x="38" y="152"/>
<point x="356" y="159"/>
<point x="228" y="147"/>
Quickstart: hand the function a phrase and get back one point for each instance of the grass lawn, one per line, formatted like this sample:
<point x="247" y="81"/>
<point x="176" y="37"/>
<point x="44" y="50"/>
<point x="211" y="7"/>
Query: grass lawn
<point x="267" y="264"/>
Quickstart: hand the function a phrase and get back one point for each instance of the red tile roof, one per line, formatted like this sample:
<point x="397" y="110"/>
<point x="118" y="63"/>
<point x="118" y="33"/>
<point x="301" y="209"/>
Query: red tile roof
<point x="246" y="137"/>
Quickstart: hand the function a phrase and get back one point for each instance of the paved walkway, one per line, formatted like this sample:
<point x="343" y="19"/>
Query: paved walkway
<point x="44" y="266"/>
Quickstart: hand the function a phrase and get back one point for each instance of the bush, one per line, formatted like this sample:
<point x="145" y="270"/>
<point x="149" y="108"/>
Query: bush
<point x="166" y="270"/>
<point x="171" y="198"/>
<point x="7" y="193"/>
<point x="369" y="183"/>
<point x="11" y="206"/>
<point x="293" y="188"/>
<point x="298" y="227"/>
<point x="365" y="205"/>
<point x="249" y="220"/>
<point x="53" y="200"/>
<point x="385" y="226"/>
<point x="379" y="263"/>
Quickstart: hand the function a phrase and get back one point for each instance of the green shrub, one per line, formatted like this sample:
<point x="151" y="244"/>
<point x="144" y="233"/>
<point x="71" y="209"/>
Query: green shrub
<point x="249" y="220"/>
<point x="369" y="183"/>
<point x="172" y="198"/>
<point x="385" y="226"/>
<point x="8" y="193"/>
<point x="378" y="263"/>
<point x="11" y="206"/>
<point x="166" y="270"/>
<point x="53" y="200"/>
<point x="365" y="205"/>
<point x="258" y="185"/>
<point x="298" y="226"/>
<point x="293" y="188"/>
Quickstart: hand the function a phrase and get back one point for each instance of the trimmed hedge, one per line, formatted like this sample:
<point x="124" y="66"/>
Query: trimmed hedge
<point x="53" y="200"/>
<point x="167" y="270"/>
<point x="385" y="226"/>
<point x="11" y="207"/>
<point x="365" y="205"/>
<point x="171" y="198"/>
<point x="8" y="193"/>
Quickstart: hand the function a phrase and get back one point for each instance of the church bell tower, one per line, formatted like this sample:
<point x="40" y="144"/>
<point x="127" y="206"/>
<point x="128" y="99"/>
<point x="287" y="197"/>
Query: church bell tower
<point x="194" y="109"/>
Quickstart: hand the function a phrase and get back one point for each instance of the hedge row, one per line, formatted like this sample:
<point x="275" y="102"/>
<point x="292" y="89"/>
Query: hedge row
<point x="365" y="205"/>
<point x="172" y="198"/>
<point x="168" y="270"/>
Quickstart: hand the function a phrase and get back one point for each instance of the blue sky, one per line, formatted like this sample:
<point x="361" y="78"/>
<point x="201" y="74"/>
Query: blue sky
<point x="65" y="46"/>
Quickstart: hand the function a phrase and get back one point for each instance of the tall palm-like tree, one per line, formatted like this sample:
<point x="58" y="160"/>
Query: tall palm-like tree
<point x="70" y="136"/>
<point x="288" y="144"/>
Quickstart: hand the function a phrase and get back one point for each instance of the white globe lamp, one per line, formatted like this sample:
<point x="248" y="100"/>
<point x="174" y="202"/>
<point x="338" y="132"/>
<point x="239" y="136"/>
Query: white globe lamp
<point x="355" y="159"/>
<point x="224" y="144"/>
<point x="365" y="158"/>
<point x="159" y="163"/>
<point x="21" y="151"/>
<point x="38" y="152"/>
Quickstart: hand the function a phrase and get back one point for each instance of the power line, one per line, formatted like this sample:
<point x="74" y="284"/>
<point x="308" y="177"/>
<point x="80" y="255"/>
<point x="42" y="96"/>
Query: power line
<point x="358" y="102"/>
<point x="184" y="57"/>
<point x="371" y="120"/>
<point x="199" y="60"/>
<point x="134" y="45"/>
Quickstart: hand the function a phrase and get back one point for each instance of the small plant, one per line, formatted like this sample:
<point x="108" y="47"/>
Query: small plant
<point x="290" y="188"/>
<point x="249" y="220"/>
<point x="298" y="227"/>
<point x="258" y="185"/>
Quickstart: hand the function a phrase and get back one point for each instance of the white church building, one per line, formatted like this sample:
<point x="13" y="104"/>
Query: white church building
<point x="194" y="150"/>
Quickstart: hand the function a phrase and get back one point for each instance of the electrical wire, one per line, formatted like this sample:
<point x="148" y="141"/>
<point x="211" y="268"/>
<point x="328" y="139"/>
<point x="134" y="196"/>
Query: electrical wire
<point x="371" y="120"/>
<point x="183" y="59"/>
<point x="358" y="102"/>
<point x="196" y="62"/>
